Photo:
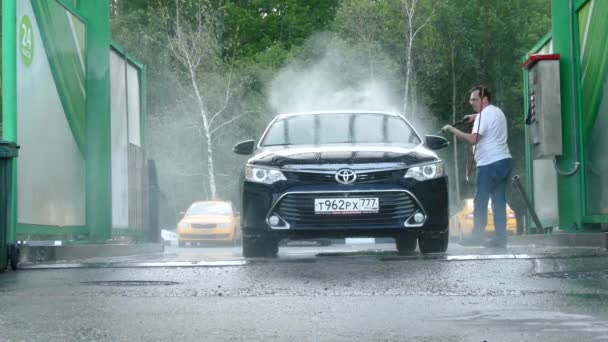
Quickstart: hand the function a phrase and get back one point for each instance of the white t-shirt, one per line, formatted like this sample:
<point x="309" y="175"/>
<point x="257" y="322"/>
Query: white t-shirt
<point x="492" y="144"/>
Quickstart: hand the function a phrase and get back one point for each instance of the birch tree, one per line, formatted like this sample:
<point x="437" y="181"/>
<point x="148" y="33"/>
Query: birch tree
<point x="454" y="101"/>
<point x="194" y="36"/>
<point x="409" y="11"/>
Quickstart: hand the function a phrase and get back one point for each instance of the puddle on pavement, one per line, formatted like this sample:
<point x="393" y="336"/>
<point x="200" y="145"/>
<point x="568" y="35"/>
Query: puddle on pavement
<point x="593" y="275"/>
<point x="129" y="283"/>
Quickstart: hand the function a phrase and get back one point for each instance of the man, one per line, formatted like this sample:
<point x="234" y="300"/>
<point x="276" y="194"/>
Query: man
<point x="489" y="137"/>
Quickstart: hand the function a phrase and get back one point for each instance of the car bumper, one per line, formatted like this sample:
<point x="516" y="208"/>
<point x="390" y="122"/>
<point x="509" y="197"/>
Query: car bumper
<point x="294" y="206"/>
<point x="200" y="235"/>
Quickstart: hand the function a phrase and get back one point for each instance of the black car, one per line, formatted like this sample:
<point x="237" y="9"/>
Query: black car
<point x="343" y="174"/>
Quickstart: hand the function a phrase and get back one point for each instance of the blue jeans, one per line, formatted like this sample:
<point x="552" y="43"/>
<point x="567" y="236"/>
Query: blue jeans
<point x="491" y="183"/>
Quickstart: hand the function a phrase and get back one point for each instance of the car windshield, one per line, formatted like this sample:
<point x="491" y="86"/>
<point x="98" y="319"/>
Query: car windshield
<point x="220" y="209"/>
<point x="340" y="128"/>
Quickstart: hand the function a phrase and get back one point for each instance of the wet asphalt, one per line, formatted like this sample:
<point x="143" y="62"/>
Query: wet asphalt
<point x="355" y="292"/>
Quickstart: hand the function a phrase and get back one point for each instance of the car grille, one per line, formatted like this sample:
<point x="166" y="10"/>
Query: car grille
<point x="204" y="237"/>
<point x="298" y="210"/>
<point x="329" y="178"/>
<point x="203" y="226"/>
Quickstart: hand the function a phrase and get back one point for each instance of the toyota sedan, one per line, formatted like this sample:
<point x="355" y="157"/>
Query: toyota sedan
<point x="343" y="174"/>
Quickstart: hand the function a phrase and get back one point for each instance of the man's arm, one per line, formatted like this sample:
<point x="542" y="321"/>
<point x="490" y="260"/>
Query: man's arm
<point x="470" y="138"/>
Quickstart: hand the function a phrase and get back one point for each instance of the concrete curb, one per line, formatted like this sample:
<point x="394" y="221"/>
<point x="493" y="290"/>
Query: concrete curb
<point x="598" y="240"/>
<point x="33" y="254"/>
<point x="41" y="254"/>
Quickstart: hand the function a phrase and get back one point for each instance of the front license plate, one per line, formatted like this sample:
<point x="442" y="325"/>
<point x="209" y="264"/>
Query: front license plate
<point x="341" y="206"/>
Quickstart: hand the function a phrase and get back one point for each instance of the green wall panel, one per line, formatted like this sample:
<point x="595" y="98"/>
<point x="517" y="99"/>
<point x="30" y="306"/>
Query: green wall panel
<point x="9" y="94"/>
<point x="97" y="123"/>
<point x="565" y="41"/>
<point x="67" y="60"/>
<point x="593" y="51"/>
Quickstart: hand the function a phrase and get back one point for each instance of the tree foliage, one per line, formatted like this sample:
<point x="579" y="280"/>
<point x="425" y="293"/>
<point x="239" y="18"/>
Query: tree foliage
<point x="464" y="43"/>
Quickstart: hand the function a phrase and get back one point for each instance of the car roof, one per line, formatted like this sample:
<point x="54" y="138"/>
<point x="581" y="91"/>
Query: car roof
<point x="283" y="115"/>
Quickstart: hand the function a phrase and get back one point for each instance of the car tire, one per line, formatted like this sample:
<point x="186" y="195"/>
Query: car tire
<point x="237" y="241"/>
<point x="406" y="244"/>
<point x="260" y="247"/>
<point x="461" y="235"/>
<point x="14" y="256"/>
<point x="434" y="244"/>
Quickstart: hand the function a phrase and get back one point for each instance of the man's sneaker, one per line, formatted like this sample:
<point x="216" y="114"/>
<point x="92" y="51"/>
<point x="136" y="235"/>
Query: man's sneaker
<point x="495" y="243"/>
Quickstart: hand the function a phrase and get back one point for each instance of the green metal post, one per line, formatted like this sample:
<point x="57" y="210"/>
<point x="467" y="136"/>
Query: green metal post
<point x="528" y="153"/>
<point x="98" y="150"/>
<point x="9" y="94"/>
<point x="569" y="186"/>
<point x="144" y="109"/>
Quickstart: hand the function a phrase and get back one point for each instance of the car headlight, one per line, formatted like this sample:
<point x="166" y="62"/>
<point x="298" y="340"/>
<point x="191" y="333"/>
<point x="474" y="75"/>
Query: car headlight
<point x="425" y="172"/>
<point x="263" y="175"/>
<point x="182" y="225"/>
<point x="224" y="225"/>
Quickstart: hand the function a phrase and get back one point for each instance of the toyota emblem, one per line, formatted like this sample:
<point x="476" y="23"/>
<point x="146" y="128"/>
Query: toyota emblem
<point x="346" y="176"/>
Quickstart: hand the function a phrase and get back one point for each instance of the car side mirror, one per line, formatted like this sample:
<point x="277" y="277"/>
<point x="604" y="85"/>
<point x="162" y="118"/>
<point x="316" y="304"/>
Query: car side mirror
<point x="244" y="147"/>
<point x="435" y="142"/>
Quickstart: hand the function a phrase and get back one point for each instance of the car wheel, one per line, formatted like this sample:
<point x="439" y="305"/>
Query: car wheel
<point x="14" y="255"/>
<point x="405" y="244"/>
<point x="461" y="235"/>
<point x="434" y="244"/>
<point x="260" y="247"/>
<point x="238" y="237"/>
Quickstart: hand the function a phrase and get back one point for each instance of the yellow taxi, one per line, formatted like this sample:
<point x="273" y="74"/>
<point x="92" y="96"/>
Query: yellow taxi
<point x="461" y="223"/>
<point x="208" y="221"/>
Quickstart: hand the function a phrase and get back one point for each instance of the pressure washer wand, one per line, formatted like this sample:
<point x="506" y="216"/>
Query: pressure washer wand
<point x="455" y="124"/>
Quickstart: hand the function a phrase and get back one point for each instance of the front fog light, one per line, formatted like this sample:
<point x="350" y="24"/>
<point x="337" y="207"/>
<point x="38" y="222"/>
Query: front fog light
<point x="418" y="217"/>
<point x="273" y="220"/>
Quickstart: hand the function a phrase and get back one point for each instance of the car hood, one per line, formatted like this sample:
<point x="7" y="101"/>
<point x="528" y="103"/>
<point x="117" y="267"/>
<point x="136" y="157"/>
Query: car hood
<point x="343" y="154"/>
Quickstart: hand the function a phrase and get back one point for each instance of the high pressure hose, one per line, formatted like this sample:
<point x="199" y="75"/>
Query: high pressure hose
<point x="577" y="163"/>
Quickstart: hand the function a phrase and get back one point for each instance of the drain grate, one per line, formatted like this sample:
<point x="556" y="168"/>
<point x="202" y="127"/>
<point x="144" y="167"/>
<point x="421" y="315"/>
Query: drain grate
<point x="573" y="275"/>
<point x="129" y="283"/>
